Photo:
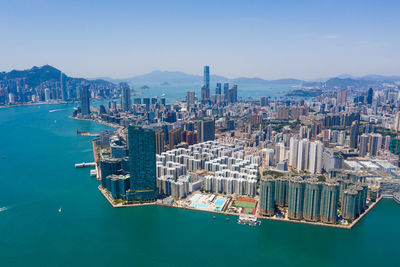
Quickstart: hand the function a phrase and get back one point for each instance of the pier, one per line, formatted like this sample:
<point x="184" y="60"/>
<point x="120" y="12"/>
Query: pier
<point x="85" y="164"/>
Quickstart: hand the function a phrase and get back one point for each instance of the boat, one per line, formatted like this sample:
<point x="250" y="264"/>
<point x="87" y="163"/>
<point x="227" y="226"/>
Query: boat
<point x="59" y="210"/>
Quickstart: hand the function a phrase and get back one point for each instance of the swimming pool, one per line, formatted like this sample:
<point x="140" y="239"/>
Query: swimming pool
<point x="219" y="203"/>
<point x="199" y="205"/>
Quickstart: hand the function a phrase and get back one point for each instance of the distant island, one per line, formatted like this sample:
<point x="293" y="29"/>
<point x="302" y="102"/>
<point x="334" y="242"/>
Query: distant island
<point x="165" y="84"/>
<point x="145" y="87"/>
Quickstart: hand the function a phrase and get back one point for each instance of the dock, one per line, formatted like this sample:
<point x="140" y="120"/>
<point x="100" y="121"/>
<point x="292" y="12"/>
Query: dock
<point x="396" y="197"/>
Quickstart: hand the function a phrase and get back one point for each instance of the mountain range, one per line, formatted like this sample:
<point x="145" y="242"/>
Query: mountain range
<point x="37" y="75"/>
<point x="172" y="77"/>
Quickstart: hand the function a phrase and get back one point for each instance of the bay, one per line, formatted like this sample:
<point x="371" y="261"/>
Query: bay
<point x="38" y="149"/>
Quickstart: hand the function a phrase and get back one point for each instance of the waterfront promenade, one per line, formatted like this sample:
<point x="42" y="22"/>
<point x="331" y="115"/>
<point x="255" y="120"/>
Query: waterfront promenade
<point x="348" y="226"/>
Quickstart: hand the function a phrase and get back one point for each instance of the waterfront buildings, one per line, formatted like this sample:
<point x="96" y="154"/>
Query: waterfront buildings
<point x="312" y="200"/>
<point x="296" y="198"/>
<point x="296" y="158"/>
<point x="142" y="163"/>
<point x="85" y="102"/>
<point x="267" y="196"/>
<point x="329" y="201"/>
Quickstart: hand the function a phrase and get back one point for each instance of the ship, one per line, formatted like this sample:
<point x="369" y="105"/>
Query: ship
<point x="80" y="132"/>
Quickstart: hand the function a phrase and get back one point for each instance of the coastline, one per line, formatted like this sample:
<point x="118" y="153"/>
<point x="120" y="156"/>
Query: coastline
<point x="115" y="126"/>
<point x="348" y="227"/>
<point x="33" y="104"/>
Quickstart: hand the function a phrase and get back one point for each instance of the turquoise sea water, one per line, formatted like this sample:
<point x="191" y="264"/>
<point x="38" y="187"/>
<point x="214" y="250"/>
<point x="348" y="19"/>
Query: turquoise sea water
<point x="245" y="91"/>
<point x="38" y="150"/>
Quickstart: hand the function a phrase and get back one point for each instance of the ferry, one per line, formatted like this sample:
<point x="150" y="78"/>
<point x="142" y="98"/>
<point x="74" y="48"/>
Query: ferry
<point x="80" y="132"/>
<point x="85" y="164"/>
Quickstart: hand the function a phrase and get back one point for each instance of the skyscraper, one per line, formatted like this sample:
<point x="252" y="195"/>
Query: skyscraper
<point x="293" y="152"/>
<point x="296" y="199"/>
<point x="64" y="93"/>
<point x="264" y="101"/>
<point x="218" y="89"/>
<point x="174" y="137"/>
<point x="159" y="141"/>
<point x="349" y="205"/>
<point x="281" y="191"/>
<point x="354" y="134"/>
<point x="126" y="98"/>
<point x="205" y="90"/>
<point x="302" y="154"/>
<point x="315" y="157"/>
<point x="267" y="196"/>
<point x="226" y="91"/>
<point x="329" y="201"/>
<point x="397" y="121"/>
<point x="85" y="102"/>
<point x="206" y="130"/>
<point x="312" y="200"/>
<point x="142" y="163"/>
<point x="363" y="145"/>
<point x="190" y="95"/>
<point x="207" y="77"/>
<point x="376" y="143"/>
<point x="232" y="94"/>
<point x="370" y="96"/>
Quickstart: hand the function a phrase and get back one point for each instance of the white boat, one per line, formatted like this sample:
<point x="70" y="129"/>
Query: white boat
<point x="59" y="210"/>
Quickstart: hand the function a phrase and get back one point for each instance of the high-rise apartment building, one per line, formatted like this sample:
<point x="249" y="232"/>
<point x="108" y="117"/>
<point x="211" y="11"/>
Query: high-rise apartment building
<point x="126" y="98"/>
<point x="190" y="97"/>
<point x="159" y="141"/>
<point x="312" y="200"/>
<point x="329" y="201"/>
<point x="206" y="130"/>
<point x="296" y="199"/>
<point x="267" y="196"/>
<point x="142" y="163"/>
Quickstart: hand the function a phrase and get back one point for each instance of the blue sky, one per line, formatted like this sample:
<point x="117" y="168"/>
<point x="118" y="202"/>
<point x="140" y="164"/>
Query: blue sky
<point x="267" y="39"/>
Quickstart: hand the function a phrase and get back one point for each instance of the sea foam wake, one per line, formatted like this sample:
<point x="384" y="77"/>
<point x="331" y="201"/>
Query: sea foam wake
<point x="3" y="209"/>
<point x="54" y="110"/>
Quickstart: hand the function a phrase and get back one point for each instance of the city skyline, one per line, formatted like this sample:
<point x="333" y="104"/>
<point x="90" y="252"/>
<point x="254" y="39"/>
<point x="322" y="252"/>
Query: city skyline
<point x="307" y="40"/>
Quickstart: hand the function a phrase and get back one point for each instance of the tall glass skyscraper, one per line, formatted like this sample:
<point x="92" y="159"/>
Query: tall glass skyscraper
<point x="85" y="103"/>
<point x="205" y="90"/>
<point x="142" y="163"/>
<point x="207" y="77"/>
<point x="125" y="98"/>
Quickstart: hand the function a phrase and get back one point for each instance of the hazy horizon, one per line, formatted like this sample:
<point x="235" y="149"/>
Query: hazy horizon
<point x="305" y="40"/>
